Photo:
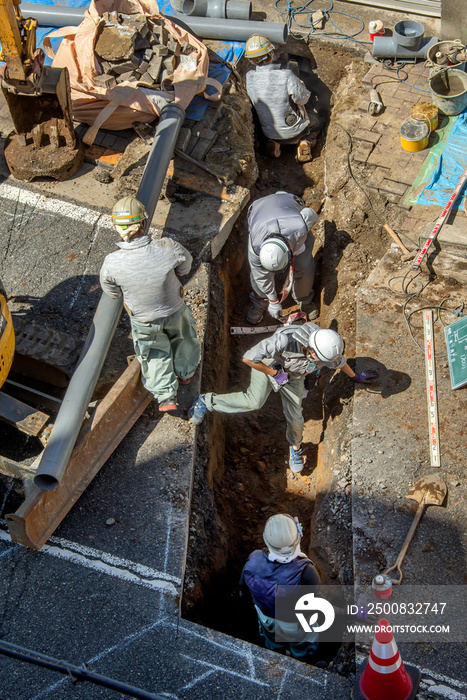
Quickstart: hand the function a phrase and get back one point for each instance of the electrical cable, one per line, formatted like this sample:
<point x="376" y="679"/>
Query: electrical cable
<point x="292" y="13"/>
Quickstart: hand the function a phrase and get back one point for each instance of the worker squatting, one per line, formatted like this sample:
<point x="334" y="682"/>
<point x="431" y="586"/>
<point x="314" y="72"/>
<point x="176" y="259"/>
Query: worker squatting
<point x="146" y="272"/>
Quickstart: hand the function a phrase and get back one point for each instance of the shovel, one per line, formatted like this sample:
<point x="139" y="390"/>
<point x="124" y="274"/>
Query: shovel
<point x="429" y="491"/>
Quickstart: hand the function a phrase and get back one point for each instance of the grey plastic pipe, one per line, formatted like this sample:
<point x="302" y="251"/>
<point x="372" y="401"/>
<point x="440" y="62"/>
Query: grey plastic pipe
<point x="78" y="395"/>
<point x="204" y="27"/>
<point x="232" y="9"/>
<point x="388" y="47"/>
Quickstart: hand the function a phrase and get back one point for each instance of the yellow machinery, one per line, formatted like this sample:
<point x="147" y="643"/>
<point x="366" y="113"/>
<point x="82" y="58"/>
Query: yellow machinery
<point x="7" y="337"/>
<point x="44" y="142"/>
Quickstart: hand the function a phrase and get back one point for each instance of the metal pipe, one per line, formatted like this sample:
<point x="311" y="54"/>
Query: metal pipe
<point x="75" y="672"/>
<point x="78" y="395"/>
<point x="204" y="27"/>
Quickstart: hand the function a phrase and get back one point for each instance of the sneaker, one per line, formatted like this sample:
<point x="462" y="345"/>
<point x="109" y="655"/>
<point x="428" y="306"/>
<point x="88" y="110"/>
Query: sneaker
<point x="183" y="381"/>
<point x="296" y="462"/>
<point x="310" y="309"/>
<point x="273" y="149"/>
<point x="255" y="315"/>
<point x="304" y="152"/>
<point x="169" y="404"/>
<point x="199" y="409"/>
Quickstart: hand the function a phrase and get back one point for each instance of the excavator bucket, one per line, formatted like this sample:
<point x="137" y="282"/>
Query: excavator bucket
<point x="44" y="143"/>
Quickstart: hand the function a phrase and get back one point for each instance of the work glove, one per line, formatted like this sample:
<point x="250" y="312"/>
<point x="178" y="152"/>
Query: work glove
<point x="275" y="308"/>
<point x="281" y="377"/>
<point x="365" y="377"/>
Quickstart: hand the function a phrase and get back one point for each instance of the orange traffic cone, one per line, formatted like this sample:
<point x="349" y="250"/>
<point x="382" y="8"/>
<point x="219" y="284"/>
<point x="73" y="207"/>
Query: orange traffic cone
<point x="383" y="676"/>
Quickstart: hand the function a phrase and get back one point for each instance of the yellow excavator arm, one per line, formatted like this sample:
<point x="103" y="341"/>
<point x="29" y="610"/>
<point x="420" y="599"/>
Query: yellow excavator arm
<point x="7" y="337"/>
<point x="18" y="40"/>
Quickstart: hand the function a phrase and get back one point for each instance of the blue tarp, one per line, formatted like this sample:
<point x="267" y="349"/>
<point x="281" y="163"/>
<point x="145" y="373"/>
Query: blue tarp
<point x="451" y="165"/>
<point x="230" y="51"/>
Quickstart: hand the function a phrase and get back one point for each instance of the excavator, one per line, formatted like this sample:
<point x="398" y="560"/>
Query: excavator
<point x="7" y="337"/>
<point x="43" y="143"/>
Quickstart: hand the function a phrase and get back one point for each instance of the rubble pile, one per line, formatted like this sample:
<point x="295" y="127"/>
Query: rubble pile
<point x="139" y="49"/>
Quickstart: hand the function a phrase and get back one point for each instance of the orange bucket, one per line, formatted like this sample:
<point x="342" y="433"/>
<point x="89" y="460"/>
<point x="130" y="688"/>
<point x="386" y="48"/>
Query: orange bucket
<point x="414" y="135"/>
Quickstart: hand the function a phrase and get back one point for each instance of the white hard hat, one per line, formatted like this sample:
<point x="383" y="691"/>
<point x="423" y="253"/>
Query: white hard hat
<point x="309" y="216"/>
<point x="128" y="211"/>
<point x="281" y="534"/>
<point x="327" y="344"/>
<point x="274" y="254"/>
<point x="257" y="46"/>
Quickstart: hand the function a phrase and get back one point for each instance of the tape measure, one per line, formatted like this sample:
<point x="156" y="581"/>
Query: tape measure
<point x="431" y="388"/>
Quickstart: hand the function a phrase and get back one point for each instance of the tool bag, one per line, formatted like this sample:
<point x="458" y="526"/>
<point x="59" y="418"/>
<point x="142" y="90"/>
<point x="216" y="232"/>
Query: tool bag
<point x="117" y="108"/>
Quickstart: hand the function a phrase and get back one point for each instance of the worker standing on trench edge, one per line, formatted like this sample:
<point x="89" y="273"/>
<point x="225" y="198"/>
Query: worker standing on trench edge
<point x="281" y="363"/>
<point x="283" y="564"/>
<point x="279" y="98"/>
<point x="280" y="234"/>
<point x="144" y="272"/>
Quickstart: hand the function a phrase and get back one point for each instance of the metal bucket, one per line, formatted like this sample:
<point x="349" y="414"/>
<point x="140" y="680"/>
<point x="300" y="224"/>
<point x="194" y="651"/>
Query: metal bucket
<point x="449" y="91"/>
<point x="414" y="135"/>
<point x="442" y="47"/>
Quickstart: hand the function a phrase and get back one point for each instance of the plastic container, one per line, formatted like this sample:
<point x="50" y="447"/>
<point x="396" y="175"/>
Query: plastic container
<point x="382" y="586"/>
<point x="409" y="33"/>
<point x="449" y="91"/>
<point x="375" y="28"/>
<point x="425" y="112"/>
<point x="414" y="135"/>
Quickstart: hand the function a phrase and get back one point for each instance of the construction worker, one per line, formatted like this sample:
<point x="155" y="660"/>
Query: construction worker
<point x="280" y="234"/>
<point x="144" y="272"/>
<point x="280" y="363"/>
<point x="282" y="564"/>
<point x="279" y="98"/>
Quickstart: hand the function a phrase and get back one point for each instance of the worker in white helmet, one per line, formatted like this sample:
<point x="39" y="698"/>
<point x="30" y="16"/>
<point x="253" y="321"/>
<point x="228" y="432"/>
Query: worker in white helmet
<point x="279" y="98"/>
<point x="145" y="272"/>
<point x="281" y="363"/>
<point x="281" y="564"/>
<point x="280" y="236"/>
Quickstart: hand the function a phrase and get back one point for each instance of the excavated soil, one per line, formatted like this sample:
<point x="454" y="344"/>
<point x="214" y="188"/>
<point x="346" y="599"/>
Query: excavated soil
<point x="241" y="473"/>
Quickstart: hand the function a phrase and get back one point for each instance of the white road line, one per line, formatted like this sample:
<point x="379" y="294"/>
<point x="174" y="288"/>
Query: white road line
<point x="52" y="205"/>
<point x="109" y="564"/>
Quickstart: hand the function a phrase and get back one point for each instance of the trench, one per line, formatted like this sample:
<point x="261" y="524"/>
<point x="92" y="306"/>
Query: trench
<point x="241" y="474"/>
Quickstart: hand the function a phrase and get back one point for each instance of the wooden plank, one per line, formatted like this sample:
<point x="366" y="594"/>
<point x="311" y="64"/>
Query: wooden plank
<point x="42" y="511"/>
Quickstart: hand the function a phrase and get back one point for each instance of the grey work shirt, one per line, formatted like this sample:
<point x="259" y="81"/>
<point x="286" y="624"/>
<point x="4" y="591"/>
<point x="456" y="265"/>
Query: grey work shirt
<point x="273" y="91"/>
<point x="286" y="353"/>
<point x="275" y="215"/>
<point x="145" y="272"/>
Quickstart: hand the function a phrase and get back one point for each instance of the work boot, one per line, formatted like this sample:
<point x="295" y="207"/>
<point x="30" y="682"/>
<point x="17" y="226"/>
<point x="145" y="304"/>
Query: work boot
<point x="296" y="462"/>
<point x="310" y="309"/>
<point x="199" y="409"/>
<point x="169" y="404"/>
<point x="273" y="149"/>
<point x="255" y="315"/>
<point x="304" y="152"/>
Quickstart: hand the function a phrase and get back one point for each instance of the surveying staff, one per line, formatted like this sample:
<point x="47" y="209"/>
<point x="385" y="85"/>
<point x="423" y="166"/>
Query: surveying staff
<point x="145" y="272"/>
<point x="283" y="564"/>
<point x="279" y="235"/>
<point x="280" y="363"/>
<point x="279" y="98"/>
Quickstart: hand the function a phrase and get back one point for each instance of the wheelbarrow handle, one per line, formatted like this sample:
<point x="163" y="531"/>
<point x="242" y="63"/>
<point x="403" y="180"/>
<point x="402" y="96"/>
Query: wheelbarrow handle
<point x="407" y="541"/>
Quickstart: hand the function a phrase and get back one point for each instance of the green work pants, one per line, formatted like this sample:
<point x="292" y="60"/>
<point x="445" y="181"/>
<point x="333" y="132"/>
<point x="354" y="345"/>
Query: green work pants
<point x="255" y="396"/>
<point x="166" y="348"/>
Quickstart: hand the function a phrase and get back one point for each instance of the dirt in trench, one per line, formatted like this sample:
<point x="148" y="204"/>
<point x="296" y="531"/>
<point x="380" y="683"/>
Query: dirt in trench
<point x="241" y="474"/>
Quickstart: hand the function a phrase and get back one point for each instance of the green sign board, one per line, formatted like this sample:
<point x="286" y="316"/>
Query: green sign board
<point x="456" y="344"/>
